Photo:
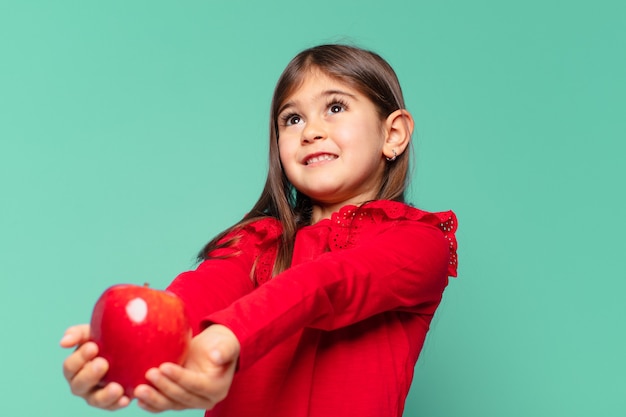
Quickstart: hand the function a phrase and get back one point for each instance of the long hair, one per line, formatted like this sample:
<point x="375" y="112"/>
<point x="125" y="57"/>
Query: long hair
<point x="362" y="70"/>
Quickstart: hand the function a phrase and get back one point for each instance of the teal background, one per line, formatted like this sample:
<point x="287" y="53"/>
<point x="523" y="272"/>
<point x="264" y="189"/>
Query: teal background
<point x="133" y="131"/>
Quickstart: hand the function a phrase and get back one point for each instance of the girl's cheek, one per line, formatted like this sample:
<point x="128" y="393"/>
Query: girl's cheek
<point x="283" y="151"/>
<point x="288" y="141"/>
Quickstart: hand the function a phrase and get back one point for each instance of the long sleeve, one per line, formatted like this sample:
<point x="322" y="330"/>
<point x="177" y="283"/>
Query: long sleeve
<point x="227" y="275"/>
<point x="404" y="267"/>
<point x="214" y="285"/>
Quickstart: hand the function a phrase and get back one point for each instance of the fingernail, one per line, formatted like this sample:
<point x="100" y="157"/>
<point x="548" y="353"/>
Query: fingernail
<point x="140" y="393"/>
<point x="66" y="338"/>
<point x="152" y="375"/>
<point x="166" y="369"/>
<point x="216" y="356"/>
<point x="98" y="364"/>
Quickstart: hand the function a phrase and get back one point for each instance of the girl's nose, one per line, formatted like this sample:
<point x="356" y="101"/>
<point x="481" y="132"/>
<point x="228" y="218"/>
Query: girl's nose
<point x="313" y="131"/>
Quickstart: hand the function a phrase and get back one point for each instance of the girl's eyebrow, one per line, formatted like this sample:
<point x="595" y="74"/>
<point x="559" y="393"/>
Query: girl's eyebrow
<point x="325" y="93"/>
<point x="337" y="92"/>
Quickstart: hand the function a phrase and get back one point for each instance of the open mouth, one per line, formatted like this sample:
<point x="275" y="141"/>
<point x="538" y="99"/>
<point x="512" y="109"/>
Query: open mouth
<point x="315" y="159"/>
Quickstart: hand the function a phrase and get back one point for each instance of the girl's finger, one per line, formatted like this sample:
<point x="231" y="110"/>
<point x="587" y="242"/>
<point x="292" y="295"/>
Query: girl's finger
<point x="195" y="384"/>
<point x="88" y="377"/>
<point x="110" y="397"/>
<point x="77" y="360"/>
<point x="175" y="392"/>
<point x="154" y="401"/>
<point x="75" y="335"/>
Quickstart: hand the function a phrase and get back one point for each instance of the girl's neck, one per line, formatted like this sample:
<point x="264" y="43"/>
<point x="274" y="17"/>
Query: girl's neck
<point x="325" y="211"/>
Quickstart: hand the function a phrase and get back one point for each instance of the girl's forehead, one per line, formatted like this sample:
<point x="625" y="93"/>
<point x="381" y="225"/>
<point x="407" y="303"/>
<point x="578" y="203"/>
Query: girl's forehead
<point x="318" y="76"/>
<point x="316" y="80"/>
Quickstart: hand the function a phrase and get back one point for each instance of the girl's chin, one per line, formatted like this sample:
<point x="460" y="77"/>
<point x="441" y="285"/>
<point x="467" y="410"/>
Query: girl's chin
<point x="324" y="198"/>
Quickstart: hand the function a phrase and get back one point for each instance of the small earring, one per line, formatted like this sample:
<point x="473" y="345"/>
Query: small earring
<point x="393" y="158"/>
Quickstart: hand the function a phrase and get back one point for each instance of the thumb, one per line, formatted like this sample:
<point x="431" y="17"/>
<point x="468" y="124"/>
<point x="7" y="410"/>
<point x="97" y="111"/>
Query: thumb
<point x="224" y="348"/>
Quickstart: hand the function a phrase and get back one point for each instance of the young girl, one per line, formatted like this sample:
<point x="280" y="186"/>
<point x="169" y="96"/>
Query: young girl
<point x="318" y="301"/>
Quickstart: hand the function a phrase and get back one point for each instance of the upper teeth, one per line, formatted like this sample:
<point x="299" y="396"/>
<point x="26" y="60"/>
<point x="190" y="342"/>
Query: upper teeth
<point x="325" y="157"/>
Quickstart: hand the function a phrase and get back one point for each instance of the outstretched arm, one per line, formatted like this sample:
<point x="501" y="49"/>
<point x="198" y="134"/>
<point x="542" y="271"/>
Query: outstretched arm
<point x="212" y="286"/>
<point x="405" y="267"/>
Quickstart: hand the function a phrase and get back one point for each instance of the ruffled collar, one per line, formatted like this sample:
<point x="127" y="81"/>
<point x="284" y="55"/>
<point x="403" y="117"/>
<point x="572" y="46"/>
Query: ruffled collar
<point x="351" y="218"/>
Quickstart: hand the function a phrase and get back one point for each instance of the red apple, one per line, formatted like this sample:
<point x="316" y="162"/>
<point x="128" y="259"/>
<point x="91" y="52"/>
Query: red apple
<point x="137" y="328"/>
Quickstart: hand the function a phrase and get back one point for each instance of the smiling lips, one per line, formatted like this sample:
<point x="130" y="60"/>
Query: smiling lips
<point x="317" y="158"/>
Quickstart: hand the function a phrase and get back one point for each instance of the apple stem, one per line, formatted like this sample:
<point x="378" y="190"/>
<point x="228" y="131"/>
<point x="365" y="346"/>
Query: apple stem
<point x="145" y="284"/>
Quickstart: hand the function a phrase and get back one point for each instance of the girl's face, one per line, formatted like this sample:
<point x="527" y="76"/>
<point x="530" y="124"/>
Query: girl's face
<point x="330" y="140"/>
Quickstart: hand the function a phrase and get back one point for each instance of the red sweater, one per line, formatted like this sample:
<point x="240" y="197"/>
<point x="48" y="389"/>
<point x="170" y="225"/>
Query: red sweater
<point x="340" y="331"/>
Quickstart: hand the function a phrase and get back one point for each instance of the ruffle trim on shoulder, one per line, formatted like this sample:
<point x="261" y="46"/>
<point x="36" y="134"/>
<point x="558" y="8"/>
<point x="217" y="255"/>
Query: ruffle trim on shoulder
<point x="266" y="233"/>
<point x="264" y="228"/>
<point x="352" y="218"/>
<point x="254" y="232"/>
<point x="258" y="239"/>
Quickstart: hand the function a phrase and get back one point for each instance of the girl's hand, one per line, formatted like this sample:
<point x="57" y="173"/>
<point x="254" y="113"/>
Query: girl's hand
<point x="84" y="370"/>
<point x="203" y="381"/>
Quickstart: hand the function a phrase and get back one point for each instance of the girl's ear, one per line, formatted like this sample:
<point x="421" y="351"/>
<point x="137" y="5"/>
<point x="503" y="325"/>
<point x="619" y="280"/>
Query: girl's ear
<point x="398" y="130"/>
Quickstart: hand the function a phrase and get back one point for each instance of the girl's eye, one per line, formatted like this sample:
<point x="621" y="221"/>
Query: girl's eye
<point x="291" y="119"/>
<point x="337" y="106"/>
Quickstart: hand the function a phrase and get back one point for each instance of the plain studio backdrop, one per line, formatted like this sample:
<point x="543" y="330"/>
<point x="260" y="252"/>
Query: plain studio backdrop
<point x="131" y="132"/>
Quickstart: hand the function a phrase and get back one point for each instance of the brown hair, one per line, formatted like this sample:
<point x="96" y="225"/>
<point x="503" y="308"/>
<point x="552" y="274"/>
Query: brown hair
<point x="364" y="71"/>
